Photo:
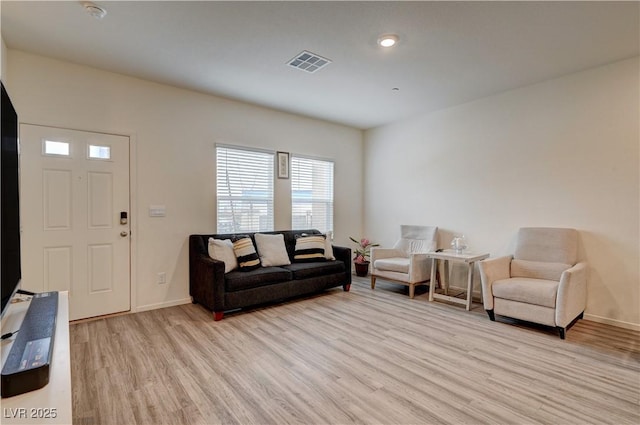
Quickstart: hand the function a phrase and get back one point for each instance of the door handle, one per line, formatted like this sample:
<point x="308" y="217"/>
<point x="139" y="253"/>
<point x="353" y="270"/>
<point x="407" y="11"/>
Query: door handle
<point x="124" y="234"/>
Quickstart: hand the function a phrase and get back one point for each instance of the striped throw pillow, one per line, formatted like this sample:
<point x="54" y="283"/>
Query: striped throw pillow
<point x="309" y="248"/>
<point x="246" y="254"/>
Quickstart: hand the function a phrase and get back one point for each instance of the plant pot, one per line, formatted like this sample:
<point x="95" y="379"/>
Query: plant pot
<point x="362" y="269"/>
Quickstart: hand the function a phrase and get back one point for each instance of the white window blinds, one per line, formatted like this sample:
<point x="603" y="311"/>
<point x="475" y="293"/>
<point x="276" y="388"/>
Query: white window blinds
<point x="244" y="188"/>
<point x="311" y="194"/>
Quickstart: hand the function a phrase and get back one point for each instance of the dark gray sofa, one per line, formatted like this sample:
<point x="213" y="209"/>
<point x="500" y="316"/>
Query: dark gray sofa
<point x="210" y="287"/>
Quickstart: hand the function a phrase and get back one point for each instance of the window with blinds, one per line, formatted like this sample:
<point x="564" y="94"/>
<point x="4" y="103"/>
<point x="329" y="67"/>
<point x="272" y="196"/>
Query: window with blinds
<point x="311" y="194"/>
<point x="244" y="188"/>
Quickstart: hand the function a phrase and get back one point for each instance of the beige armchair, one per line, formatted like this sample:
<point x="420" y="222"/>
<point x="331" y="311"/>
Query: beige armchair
<point x="542" y="283"/>
<point x="406" y="263"/>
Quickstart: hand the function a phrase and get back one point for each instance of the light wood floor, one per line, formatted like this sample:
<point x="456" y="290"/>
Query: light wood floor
<point x="366" y="357"/>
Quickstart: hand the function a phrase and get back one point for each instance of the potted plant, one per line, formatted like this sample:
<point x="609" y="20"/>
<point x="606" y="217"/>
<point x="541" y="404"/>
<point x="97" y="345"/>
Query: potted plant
<point x="361" y="256"/>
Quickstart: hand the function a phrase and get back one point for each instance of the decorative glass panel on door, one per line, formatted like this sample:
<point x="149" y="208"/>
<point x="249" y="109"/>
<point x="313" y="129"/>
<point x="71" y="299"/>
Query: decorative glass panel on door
<point x="99" y="152"/>
<point x="52" y="147"/>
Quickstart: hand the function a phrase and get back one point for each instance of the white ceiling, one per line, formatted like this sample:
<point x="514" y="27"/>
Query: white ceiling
<point x="449" y="52"/>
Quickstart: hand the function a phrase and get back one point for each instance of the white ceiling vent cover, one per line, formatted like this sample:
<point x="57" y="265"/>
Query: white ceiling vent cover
<point x="308" y="62"/>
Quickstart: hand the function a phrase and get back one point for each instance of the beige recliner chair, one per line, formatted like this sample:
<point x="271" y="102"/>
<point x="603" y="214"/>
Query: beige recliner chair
<point x="541" y="283"/>
<point x="406" y="262"/>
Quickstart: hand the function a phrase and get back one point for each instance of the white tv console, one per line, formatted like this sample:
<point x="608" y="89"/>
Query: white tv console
<point x="50" y="404"/>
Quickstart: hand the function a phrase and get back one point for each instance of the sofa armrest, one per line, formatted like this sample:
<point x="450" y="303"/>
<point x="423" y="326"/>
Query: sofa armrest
<point x="379" y="253"/>
<point x="572" y="294"/>
<point x="206" y="278"/>
<point x="344" y="254"/>
<point x="493" y="269"/>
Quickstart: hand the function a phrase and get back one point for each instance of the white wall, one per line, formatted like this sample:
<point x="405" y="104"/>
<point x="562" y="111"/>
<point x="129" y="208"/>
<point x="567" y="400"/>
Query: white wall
<point x="174" y="133"/>
<point x="3" y="59"/>
<point x="562" y="153"/>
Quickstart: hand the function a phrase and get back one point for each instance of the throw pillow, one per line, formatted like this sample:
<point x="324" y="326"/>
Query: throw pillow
<point x="328" y="247"/>
<point x="309" y="248"/>
<point x="222" y="250"/>
<point x="414" y="246"/>
<point x="245" y="253"/>
<point x="272" y="250"/>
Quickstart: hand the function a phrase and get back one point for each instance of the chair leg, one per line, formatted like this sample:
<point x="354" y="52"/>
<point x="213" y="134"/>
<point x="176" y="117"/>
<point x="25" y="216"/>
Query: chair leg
<point x="561" y="331"/>
<point x="492" y="316"/>
<point x="412" y="290"/>
<point x="373" y="282"/>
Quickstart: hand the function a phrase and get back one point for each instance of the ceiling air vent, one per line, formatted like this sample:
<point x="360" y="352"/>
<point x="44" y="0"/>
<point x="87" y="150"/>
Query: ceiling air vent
<point x="308" y="62"/>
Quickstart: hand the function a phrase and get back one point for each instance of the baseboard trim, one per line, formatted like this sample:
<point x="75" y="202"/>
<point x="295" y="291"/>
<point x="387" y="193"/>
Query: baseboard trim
<point x="163" y="305"/>
<point x="591" y="317"/>
<point x="613" y="322"/>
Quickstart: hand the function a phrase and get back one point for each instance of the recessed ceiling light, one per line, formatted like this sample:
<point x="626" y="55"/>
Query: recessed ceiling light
<point x="388" y="40"/>
<point x="94" y="10"/>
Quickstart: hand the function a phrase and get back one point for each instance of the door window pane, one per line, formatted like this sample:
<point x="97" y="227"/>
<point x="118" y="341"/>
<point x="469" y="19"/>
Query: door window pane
<point x="56" y="148"/>
<point x="99" y="152"/>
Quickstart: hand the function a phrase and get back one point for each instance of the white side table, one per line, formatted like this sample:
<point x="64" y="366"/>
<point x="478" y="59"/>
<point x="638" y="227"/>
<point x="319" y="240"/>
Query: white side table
<point x="450" y="255"/>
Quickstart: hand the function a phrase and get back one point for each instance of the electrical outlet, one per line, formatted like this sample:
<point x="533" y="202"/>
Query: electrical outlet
<point x="162" y="278"/>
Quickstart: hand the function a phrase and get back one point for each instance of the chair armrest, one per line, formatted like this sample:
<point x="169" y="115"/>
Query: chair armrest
<point x="379" y="253"/>
<point x="344" y="254"/>
<point x="419" y="267"/>
<point x="572" y="294"/>
<point x="493" y="269"/>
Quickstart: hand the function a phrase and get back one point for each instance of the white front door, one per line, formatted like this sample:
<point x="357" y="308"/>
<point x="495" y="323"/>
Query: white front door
<point x="74" y="190"/>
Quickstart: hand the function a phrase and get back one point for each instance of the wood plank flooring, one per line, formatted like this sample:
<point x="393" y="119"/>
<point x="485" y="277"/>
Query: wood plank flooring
<point x="365" y="357"/>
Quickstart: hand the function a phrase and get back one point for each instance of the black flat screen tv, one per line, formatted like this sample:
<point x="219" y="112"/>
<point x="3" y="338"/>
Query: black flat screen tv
<point x="10" y="272"/>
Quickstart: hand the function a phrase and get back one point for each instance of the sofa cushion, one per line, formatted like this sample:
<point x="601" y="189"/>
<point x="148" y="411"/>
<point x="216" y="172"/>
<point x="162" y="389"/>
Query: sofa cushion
<point x="245" y="253"/>
<point x="306" y="270"/>
<point x="262" y="276"/>
<point x="537" y="269"/>
<point x="531" y="291"/>
<point x="222" y="250"/>
<point x="309" y="248"/>
<point x="272" y="250"/>
<point x="395" y="264"/>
